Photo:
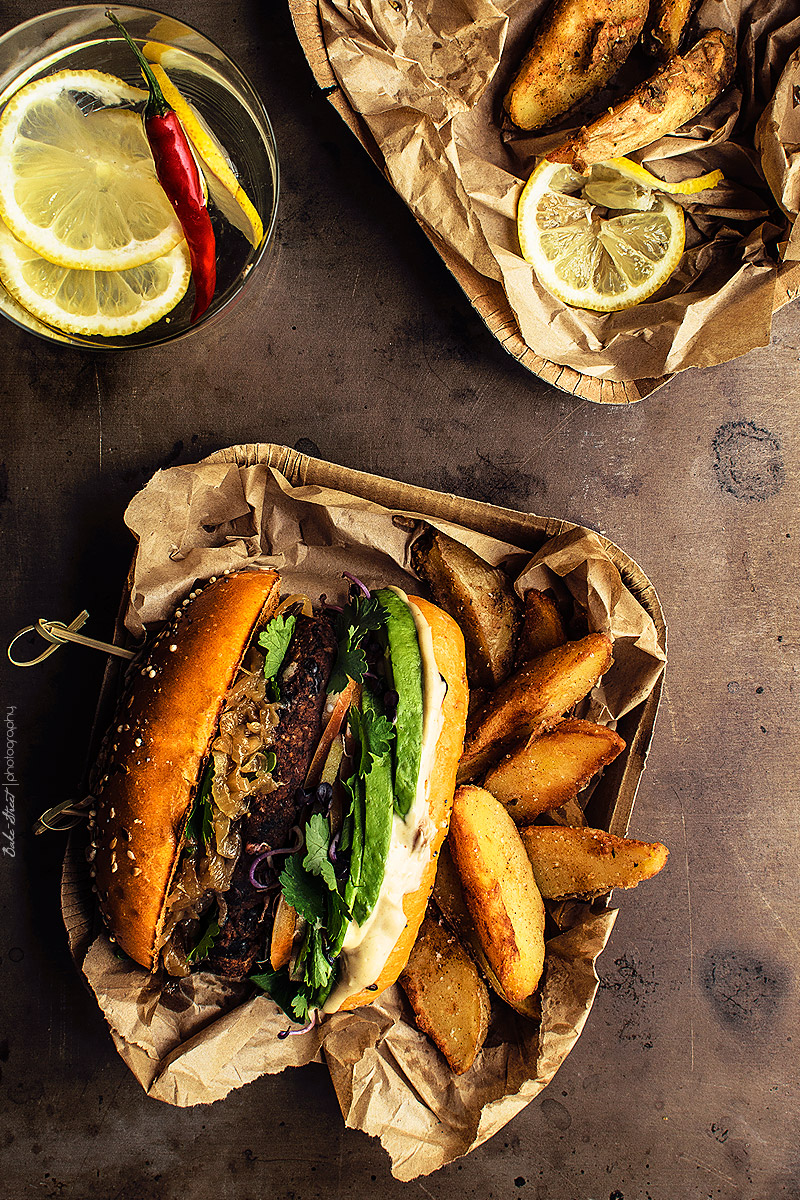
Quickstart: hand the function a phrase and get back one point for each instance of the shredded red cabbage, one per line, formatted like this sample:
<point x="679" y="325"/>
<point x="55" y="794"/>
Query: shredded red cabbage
<point x="358" y="582"/>
<point x="284" y="1033"/>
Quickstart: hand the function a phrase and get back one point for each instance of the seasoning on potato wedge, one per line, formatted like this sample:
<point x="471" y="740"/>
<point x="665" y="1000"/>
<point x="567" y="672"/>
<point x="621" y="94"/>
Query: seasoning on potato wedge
<point x="588" y="862"/>
<point x="478" y="596"/>
<point x="578" y="46"/>
<point x="666" y="22"/>
<point x="552" y="767"/>
<point x="533" y="700"/>
<point x="678" y="91"/>
<point x="448" y="996"/>
<point x="448" y="895"/>
<point x="542" y="627"/>
<point x="500" y="890"/>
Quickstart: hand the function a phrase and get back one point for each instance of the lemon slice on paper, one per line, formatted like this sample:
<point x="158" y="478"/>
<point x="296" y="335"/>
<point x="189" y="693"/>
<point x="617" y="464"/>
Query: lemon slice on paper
<point x="93" y="303"/>
<point x="77" y="178"/>
<point x="204" y="141"/>
<point x="586" y="259"/>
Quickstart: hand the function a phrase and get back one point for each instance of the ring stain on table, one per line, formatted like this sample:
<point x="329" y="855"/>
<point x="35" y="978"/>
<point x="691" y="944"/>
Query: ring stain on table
<point x="748" y="461"/>
<point x="745" y="990"/>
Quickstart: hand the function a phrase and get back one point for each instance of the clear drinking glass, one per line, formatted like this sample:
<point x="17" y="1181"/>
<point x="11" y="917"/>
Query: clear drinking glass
<point x="82" y="38"/>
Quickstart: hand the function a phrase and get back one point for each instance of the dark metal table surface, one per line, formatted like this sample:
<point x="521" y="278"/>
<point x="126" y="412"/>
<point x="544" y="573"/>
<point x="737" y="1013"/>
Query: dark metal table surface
<point x="357" y="347"/>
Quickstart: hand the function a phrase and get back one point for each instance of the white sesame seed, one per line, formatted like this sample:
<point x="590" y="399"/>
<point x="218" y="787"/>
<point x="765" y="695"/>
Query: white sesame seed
<point x="130" y="854"/>
<point x="137" y="741"/>
<point x="213" y="579"/>
<point x="113" y="867"/>
<point x="111" y="814"/>
<point x="113" y="843"/>
<point x="151" y="673"/>
<point x="136" y="871"/>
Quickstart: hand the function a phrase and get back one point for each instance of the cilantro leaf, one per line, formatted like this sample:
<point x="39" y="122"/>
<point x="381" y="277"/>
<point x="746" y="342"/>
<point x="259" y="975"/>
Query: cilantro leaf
<point x="208" y="936"/>
<point x="274" y="640"/>
<point x="359" y="616"/>
<point x="318" y="841"/>
<point x="303" y="891"/>
<point x="300" y="1009"/>
<point x="375" y="735"/>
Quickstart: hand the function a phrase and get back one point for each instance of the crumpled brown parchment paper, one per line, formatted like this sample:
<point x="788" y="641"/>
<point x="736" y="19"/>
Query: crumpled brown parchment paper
<point x="428" y="78"/>
<point x="204" y="1037"/>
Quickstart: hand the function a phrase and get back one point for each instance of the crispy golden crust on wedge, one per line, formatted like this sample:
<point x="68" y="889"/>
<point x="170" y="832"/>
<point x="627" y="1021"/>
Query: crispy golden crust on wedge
<point x="149" y="772"/>
<point x="678" y="91"/>
<point x="588" y="862"/>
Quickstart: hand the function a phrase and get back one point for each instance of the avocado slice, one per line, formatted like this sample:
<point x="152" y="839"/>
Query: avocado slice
<point x="378" y="816"/>
<point x="406" y="663"/>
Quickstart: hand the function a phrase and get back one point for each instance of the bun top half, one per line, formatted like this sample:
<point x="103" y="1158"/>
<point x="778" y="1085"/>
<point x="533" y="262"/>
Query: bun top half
<point x="150" y="768"/>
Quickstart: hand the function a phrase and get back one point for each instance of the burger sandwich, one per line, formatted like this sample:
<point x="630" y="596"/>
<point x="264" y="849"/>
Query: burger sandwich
<point x="271" y="799"/>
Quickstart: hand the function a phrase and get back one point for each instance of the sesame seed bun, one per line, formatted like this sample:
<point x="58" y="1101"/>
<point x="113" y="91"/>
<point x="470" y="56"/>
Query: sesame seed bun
<point x="146" y="781"/>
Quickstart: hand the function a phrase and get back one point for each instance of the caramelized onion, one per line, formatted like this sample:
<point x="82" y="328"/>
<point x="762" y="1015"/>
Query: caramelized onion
<point x="239" y="751"/>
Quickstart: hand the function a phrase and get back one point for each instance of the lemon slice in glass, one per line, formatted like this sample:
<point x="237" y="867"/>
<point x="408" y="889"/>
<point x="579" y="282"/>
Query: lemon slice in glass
<point x="77" y="178"/>
<point x="204" y="141"/>
<point x="93" y="303"/>
<point x="590" y="259"/>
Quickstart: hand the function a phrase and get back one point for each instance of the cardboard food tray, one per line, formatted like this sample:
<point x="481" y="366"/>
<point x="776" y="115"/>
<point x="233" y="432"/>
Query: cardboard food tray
<point x="486" y="296"/>
<point x="610" y="805"/>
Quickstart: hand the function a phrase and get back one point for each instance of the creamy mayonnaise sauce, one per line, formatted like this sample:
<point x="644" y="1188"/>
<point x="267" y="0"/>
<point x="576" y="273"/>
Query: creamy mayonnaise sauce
<point x="367" y="947"/>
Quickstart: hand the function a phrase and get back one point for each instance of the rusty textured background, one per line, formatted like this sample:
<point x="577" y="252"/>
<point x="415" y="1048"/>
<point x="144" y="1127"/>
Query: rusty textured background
<point x="356" y="346"/>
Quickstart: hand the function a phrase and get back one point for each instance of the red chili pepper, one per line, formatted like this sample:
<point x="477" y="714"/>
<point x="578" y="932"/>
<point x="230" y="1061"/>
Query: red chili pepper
<point x="179" y="177"/>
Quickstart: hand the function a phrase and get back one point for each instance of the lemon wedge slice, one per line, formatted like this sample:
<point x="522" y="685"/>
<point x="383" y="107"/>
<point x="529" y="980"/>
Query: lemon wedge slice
<point x="204" y="141"/>
<point x="590" y="260"/>
<point x="634" y="171"/>
<point x="77" y="178"/>
<point x="93" y="303"/>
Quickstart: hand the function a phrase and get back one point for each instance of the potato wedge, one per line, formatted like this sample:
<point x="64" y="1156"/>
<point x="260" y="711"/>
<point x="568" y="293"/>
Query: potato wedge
<point x="449" y="897"/>
<point x="578" y="46"/>
<point x="448" y="996"/>
<point x="480" y="598"/>
<point x="552" y="767"/>
<point x="542" y="627"/>
<point x="500" y="890"/>
<point x="666" y="22"/>
<point x="588" y="862"/>
<point x="678" y="91"/>
<point x="533" y="700"/>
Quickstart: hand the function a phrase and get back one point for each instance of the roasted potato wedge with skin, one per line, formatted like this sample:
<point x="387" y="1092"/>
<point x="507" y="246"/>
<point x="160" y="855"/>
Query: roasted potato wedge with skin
<point x="680" y="90"/>
<point x="578" y="46"/>
<point x="542" y="627"/>
<point x="665" y="26"/>
<point x="448" y="996"/>
<point x="588" y="862"/>
<point x="552" y="767"/>
<point x="478" y="596"/>
<point x="500" y="890"/>
<point x="533" y="700"/>
<point x="448" y="895"/>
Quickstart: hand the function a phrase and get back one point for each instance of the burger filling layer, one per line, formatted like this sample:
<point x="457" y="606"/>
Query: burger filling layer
<point x="366" y="947"/>
<point x="239" y="766"/>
